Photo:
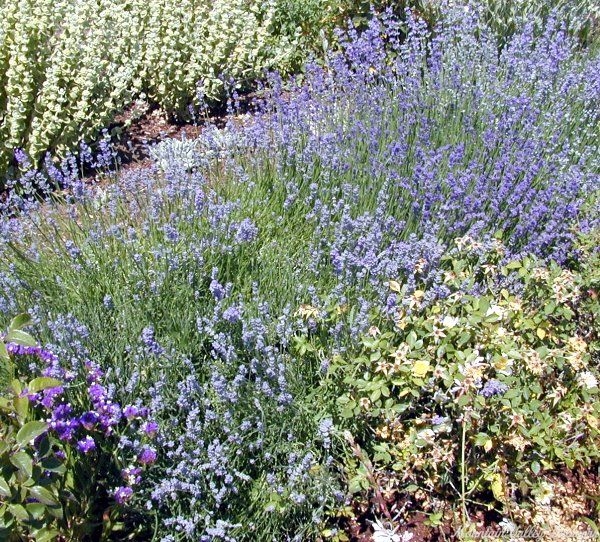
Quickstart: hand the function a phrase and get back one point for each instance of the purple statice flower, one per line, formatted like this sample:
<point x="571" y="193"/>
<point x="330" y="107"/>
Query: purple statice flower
<point x="46" y="356"/>
<point x="123" y="494"/>
<point x="97" y="393"/>
<point x="130" y="412"/>
<point x="132" y="475"/>
<point x="493" y="387"/>
<point x="86" y="445"/>
<point x="60" y="454"/>
<point x="49" y="396"/>
<point x="94" y="373"/>
<point x="88" y="420"/>
<point x="150" y="428"/>
<point x="63" y="423"/>
<point x="109" y="415"/>
<point x="147" y="456"/>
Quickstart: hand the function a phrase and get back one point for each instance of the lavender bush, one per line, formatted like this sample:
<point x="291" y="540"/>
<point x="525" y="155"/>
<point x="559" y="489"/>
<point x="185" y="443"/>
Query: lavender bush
<point x="193" y="289"/>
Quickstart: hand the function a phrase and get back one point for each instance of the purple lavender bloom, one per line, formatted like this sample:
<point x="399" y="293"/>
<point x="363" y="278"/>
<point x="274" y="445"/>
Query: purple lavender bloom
<point x="122" y="494"/>
<point x="232" y="314"/>
<point x="150" y="342"/>
<point x="171" y="233"/>
<point x="22" y="158"/>
<point x="86" y="445"/>
<point x="72" y="250"/>
<point x="217" y="290"/>
<point x="493" y="387"/>
<point x="246" y="231"/>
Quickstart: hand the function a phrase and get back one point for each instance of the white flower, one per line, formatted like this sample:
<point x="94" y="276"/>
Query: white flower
<point x="381" y="533"/>
<point x="496" y="310"/>
<point x="544" y="494"/>
<point x="587" y="380"/>
<point x="507" y="526"/>
<point x="449" y="322"/>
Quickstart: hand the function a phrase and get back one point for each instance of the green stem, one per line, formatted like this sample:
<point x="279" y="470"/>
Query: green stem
<point x="463" y="476"/>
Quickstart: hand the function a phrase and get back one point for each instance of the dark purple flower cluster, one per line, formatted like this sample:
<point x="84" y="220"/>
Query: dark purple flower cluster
<point x="85" y="431"/>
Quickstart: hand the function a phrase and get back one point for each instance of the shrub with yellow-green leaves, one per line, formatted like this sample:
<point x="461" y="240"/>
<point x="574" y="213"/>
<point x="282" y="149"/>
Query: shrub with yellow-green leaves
<point x="479" y="392"/>
<point x="66" y="67"/>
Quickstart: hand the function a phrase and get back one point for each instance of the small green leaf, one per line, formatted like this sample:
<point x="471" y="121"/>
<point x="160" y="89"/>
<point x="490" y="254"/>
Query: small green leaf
<point x="20" y="337"/>
<point x="53" y="464"/>
<point x="4" y="488"/>
<point x="42" y="495"/>
<point x="36" y="510"/>
<point x="463" y="400"/>
<point x="20" y="321"/>
<point x="30" y="431"/>
<point x="16" y="387"/>
<point x="45" y="535"/>
<point x="21" y="405"/>
<point x="23" y="462"/>
<point x="43" y="382"/>
<point x="18" y="512"/>
<point x="535" y="467"/>
<point x="56" y="511"/>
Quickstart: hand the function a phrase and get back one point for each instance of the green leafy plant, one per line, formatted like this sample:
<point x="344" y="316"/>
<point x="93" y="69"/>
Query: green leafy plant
<point x="480" y="392"/>
<point x="31" y="465"/>
<point x="52" y="485"/>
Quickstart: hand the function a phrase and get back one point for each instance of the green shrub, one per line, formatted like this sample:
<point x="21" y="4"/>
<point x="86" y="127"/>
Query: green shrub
<point x="30" y="474"/>
<point x="476" y="393"/>
<point x="67" y="67"/>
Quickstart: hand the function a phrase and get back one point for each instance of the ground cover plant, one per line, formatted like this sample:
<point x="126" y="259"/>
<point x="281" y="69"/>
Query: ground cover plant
<point x="396" y="245"/>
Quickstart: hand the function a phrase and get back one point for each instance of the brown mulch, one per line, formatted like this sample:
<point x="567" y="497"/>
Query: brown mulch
<point x="576" y="496"/>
